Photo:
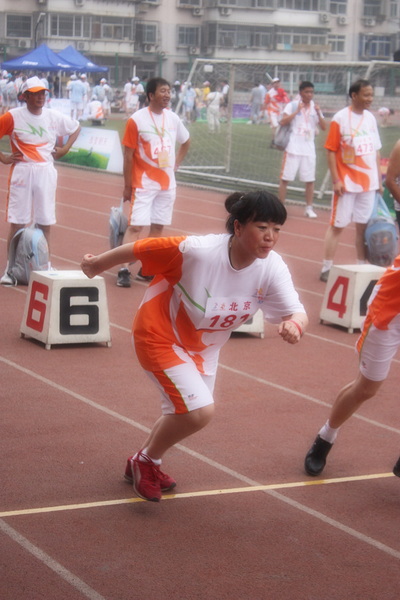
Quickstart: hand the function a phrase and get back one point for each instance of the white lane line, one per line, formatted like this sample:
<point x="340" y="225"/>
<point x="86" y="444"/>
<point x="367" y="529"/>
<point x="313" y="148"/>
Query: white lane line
<point x="49" y="562"/>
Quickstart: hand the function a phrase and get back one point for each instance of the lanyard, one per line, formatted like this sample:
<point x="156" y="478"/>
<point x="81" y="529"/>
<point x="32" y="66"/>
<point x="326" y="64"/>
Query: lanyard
<point x="159" y="133"/>
<point x="353" y="135"/>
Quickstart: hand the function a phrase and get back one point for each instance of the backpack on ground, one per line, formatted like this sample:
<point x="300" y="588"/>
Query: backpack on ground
<point x="28" y="252"/>
<point x="381" y="235"/>
<point x="282" y="134"/>
<point x="118" y="224"/>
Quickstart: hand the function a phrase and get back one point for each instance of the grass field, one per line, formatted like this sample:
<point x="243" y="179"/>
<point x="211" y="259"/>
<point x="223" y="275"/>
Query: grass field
<point x="215" y="162"/>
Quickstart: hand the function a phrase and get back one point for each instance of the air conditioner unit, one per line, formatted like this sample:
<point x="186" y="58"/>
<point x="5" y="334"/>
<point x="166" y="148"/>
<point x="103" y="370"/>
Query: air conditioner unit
<point x="224" y="11"/>
<point x="41" y="1"/>
<point x="369" y="21"/>
<point x="149" y="48"/>
<point x="198" y="12"/>
<point x="342" y="20"/>
<point x="79" y="2"/>
<point x="24" y="43"/>
<point x="82" y="45"/>
<point x="194" y="50"/>
<point x="324" y="17"/>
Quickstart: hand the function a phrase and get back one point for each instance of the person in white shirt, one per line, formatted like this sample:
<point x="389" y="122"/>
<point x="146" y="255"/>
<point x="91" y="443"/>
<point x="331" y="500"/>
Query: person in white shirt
<point x="204" y="288"/>
<point x="213" y="102"/>
<point x="305" y="117"/>
<point x="33" y="131"/>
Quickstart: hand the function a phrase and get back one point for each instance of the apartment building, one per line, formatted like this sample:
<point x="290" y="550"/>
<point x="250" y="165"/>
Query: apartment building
<point x="164" y="37"/>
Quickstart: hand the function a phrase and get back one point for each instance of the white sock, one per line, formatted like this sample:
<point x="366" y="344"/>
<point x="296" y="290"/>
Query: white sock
<point x="156" y="461"/>
<point x="326" y="265"/>
<point x="328" y="434"/>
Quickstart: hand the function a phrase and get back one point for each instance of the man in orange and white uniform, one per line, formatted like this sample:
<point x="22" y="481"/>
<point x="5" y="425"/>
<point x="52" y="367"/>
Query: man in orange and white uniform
<point x="353" y="145"/>
<point x="33" y="131"/>
<point x="275" y="100"/>
<point x="150" y="163"/>
<point x="377" y="346"/>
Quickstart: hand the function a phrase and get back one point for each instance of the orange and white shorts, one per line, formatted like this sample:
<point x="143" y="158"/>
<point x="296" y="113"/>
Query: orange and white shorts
<point x="183" y="389"/>
<point x="356" y="207"/>
<point x="378" y="349"/>
<point x="152" y="206"/>
<point x="32" y="194"/>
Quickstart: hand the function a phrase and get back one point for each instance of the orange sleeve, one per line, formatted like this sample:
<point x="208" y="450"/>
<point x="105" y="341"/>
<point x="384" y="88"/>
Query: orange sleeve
<point x="160" y="256"/>
<point x="6" y="124"/>
<point x="131" y="135"/>
<point x="332" y="141"/>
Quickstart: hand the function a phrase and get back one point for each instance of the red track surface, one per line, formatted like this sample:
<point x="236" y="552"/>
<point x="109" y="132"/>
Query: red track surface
<point x="70" y="527"/>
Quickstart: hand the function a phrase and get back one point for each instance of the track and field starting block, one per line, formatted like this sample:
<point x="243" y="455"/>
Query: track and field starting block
<point x="65" y="307"/>
<point x="347" y="293"/>
<point x="253" y="325"/>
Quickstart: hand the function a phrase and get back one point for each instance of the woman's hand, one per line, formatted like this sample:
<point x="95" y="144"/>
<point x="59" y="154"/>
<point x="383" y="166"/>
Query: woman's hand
<point x="290" y="331"/>
<point x="89" y="267"/>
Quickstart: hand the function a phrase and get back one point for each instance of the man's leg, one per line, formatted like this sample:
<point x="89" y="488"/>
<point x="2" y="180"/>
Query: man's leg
<point x="330" y="246"/>
<point x="131" y="235"/>
<point x="282" y="190"/>
<point x="348" y="401"/>
<point x="360" y="241"/>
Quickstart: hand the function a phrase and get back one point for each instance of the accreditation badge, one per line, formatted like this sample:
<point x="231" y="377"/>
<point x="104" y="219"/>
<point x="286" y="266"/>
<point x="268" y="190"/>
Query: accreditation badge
<point x="348" y="155"/>
<point x="163" y="159"/>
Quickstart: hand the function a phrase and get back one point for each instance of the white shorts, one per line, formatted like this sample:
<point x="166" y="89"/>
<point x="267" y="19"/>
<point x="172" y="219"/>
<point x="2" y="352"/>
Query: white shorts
<point x="76" y="105"/>
<point x="32" y="194"/>
<point x="183" y="389"/>
<point x="273" y="119"/>
<point x="356" y="207"/>
<point x="378" y="350"/>
<point x="292" y="163"/>
<point x="152" y="207"/>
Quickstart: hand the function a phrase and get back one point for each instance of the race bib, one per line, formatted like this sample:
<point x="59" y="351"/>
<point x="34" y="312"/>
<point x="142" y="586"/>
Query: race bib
<point x="363" y="145"/>
<point x="163" y="159"/>
<point x="348" y="155"/>
<point x="226" y="313"/>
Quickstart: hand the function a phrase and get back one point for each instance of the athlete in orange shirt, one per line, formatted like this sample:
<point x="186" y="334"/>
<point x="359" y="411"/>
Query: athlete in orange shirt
<point x="376" y="346"/>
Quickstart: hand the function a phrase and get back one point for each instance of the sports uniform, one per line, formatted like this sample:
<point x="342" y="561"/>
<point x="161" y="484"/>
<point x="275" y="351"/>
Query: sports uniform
<point x="153" y="138"/>
<point x="195" y="301"/>
<point x="300" y="152"/>
<point x="355" y="140"/>
<point x="275" y="99"/>
<point x="380" y="336"/>
<point x="33" y="180"/>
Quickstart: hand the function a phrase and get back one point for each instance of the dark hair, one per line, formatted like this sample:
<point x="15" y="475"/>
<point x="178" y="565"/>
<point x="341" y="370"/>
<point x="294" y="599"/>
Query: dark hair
<point x="358" y="85"/>
<point x="305" y="84"/>
<point x="254" y="206"/>
<point x="153" y="84"/>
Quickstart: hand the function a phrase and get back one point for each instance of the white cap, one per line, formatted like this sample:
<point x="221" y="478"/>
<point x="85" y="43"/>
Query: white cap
<point x="83" y="75"/>
<point x="73" y="76"/>
<point x="102" y="80"/>
<point x="33" y="84"/>
<point x="275" y="79"/>
<point x="135" y="79"/>
<point x="177" y="82"/>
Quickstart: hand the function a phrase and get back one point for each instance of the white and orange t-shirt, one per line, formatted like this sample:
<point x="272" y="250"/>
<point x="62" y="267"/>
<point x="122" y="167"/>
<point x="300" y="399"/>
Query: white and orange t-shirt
<point x="384" y="303"/>
<point x="355" y="140"/>
<point x="150" y="134"/>
<point x="35" y="136"/>
<point x="197" y="299"/>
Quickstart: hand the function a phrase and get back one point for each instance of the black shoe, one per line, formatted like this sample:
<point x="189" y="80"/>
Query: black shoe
<point x="315" y="460"/>
<point x="141" y="277"/>
<point x="396" y="468"/>
<point x="324" y="276"/>
<point x="124" y="278"/>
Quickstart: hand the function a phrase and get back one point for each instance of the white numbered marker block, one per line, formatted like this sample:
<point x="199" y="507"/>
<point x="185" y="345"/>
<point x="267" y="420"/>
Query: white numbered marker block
<point x="347" y="293"/>
<point x="65" y="307"/>
<point x="253" y="325"/>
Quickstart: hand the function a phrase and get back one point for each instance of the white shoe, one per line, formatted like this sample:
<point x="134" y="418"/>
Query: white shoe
<point x="8" y="280"/>
<point x="309" y="212"/>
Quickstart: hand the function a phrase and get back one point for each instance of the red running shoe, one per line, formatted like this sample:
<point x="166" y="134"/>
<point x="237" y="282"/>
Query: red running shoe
<point x="165" y="482"/>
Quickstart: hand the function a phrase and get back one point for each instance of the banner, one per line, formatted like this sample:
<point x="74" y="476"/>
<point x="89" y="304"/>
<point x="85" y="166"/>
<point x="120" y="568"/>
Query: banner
<point x="96" y="148"/>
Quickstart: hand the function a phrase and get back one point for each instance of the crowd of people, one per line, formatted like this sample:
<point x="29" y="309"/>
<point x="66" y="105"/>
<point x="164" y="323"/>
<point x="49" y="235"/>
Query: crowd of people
<point x="201" y="288"/>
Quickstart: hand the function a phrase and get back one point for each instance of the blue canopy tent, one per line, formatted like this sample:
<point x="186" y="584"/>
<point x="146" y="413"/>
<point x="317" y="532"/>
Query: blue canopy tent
<point x="40" y="59"/>
<point x="85" y="65"/>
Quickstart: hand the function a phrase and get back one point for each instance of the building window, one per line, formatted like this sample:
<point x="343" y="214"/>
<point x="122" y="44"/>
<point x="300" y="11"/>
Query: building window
<point x="372" y="8"/>
<point x="19" y="26"/>
<point x="338" y="7"/>
<point x="146" y="33"/>
<point x="377" y="46"/>
<point x="394" y="10"/>
<point x="113" y="28"/>
<point x="189" y="3"/>
<point x="70" y="26"/>
<point x="188" y="36"/>
<point x="337" y="43"/>
<point x="299" y="36"/>
<point x="302" y="4"/>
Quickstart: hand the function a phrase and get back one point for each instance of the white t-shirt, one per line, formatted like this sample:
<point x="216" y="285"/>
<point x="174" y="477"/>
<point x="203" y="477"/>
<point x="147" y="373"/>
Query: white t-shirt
<point x="197" y="299"/>
<point x="36" y="135"/>
<point x="304" y="127"/>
